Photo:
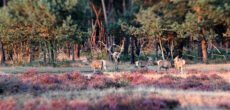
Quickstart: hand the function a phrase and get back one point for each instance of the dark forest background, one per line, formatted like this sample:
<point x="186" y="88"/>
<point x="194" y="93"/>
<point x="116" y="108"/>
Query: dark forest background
<point x="40" y="30"/>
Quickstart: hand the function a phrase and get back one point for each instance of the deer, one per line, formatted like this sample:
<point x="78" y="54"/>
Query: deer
<point x="98" y="64"/>
<point x="142" y="63"/>
<point x="164" y="64"/>
<point x="115" y="55"/>
<point x="179" y="63"/>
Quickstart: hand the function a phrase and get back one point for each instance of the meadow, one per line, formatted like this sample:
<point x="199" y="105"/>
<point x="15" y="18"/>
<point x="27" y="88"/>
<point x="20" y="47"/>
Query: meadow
<point x="201" y="87"/>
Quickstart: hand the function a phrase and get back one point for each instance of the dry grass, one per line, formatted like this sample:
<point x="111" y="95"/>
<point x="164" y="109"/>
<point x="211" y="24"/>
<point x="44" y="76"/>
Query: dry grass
<point x="187" y="98"/>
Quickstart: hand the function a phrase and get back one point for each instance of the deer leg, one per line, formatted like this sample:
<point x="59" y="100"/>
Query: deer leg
<point x="116" y="67"/>
<point x="181" y="69"/>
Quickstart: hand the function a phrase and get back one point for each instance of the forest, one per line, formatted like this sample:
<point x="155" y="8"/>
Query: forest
<point x="39" y="30"/>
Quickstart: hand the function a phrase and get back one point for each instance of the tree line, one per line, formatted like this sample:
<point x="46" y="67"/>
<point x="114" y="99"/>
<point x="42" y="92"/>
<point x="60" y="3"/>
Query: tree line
<point x="39" y="29"/>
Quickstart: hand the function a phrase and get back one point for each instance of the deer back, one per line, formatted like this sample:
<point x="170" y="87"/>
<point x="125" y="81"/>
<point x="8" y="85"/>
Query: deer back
<point x="97" y="64"/>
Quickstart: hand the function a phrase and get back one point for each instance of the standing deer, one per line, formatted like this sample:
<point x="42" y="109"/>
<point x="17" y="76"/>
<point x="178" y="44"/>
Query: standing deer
<point x="179" y="63"/>
<point x="98" y="64"/>
<point x="164" y="64"/>
<point x="115" y="55"/>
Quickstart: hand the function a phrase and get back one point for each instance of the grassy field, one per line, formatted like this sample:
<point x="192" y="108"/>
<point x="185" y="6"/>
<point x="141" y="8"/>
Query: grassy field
<point x="122" y="67"/>
<point x="201" y="87"/>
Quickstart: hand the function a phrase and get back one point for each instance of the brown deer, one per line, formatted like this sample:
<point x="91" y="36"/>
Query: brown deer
<point x="164" y="64"/>
<point x="98" y="64"/>
<point x="115" y="55"/>
<point x="142" y="63"/>
<point x="179" y="63"/>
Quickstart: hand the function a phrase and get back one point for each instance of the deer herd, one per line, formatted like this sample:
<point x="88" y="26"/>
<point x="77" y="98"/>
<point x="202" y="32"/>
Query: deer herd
<point x="101" y="64"/>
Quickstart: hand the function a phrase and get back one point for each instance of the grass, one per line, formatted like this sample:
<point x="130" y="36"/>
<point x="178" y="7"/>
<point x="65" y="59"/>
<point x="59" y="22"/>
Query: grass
<point x="189" y="99"/>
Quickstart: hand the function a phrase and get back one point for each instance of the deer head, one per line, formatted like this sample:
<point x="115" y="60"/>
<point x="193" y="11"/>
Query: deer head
<point x="115" y="55"/>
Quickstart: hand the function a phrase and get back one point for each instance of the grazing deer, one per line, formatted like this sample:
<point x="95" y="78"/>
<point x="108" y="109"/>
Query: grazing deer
<point x="164" y="64"/>
<point x="142" y="64"/>
<point x="115" y="55"/>
<point x="179" y="63"/>
<point x="98" y="64"/>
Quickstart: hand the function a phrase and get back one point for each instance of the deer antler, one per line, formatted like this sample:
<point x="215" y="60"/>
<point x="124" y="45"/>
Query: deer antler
<point x="109" y="49"/>
<point x="116" y="55"/>
<point x="122" y="47"/>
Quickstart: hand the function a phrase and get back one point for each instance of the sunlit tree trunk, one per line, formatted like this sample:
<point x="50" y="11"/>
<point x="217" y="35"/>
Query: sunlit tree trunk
<point x="106" y="22"/>
<point x="171" y="49"/>
<point x="68" y="50"/>
<point x="75" y="51"/>
<point x="204" y="51"/>
<point x="203" y="42"/>
<point x="162" y="50"/>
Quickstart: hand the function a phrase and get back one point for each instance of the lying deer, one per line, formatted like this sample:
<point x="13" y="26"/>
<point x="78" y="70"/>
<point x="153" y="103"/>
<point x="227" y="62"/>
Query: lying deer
<point x="142" y="63"/>
<point x="164" y="64"/>
<point x="98" y="64"/>
<point x="179" y="63"/>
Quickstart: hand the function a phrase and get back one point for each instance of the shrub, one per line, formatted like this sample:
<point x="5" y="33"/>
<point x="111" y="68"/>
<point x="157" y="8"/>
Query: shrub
<point x="30" y="73"/>
<point x="11" y="85"/>
<point x="225" y="105"/>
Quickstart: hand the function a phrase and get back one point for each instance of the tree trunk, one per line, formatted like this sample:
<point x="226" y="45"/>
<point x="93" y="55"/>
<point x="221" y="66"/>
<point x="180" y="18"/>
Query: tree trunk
<point x="204" y="51"/>
<point x="139" y="48"/>
<point x="199" y="51"/>
<point x="78" y="51"/>
<point x="156" y="50"/>
<point x="132" y="52"/>
<point x="52" y="54"/>
<point x="48" y="51"/>
<point x="106" y="23"/>
<point x="32" y="54"/>
<point x="124" y="6"/>
<point x="226" y="46"/>
<point x="136" y="45"/>
<point x="3" y="58"/>
<point x="126" y="46"/>
<point x="162" y="51"/>
<point x="104" y="11"/>
<point x="68" y="50"/>
<point x="221" y="44"/>
<point x="130" y="4"/>
<point x="4" y="2"/>
<point x="89" y="47"/>
<point x="171" y="49"/>
<point x="44" y="54"/>
<point x="73" y="52"/>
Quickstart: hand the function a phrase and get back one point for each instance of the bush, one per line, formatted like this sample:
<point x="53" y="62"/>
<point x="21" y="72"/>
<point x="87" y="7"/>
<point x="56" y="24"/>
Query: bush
<point x="12" y="85"/>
